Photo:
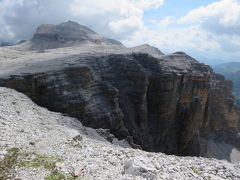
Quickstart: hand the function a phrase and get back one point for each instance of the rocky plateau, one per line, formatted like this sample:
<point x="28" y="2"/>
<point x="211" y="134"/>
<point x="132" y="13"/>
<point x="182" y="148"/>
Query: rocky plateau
<point x="168" y="103"/>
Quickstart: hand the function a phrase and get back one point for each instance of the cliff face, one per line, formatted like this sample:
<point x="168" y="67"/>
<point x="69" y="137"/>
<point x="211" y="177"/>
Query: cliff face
<point x="163" y="109"/>
<point x="40" y="144"/>
<point x="171" y="103"/>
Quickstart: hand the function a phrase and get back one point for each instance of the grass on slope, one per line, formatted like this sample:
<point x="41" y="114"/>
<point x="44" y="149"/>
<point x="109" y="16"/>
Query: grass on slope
<point x="15" y="158"/>
<point x="8" y="163"/>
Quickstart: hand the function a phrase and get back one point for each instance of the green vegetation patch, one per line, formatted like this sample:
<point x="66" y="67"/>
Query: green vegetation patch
<point x="59" y="176"/>
<point x="8" y="163"/>
<point x="47" y="162"/>
<point x="16" y="158"/>
<point x="196" y="170"/>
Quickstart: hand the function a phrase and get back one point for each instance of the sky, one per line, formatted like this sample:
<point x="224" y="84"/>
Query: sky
<point x="207" y="30"/>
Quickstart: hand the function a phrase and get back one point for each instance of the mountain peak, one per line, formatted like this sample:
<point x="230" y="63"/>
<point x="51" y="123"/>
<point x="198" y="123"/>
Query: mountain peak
<point x="146" y="48"/>
<point x="48" y="36"/>
<point x="59" y="35"/>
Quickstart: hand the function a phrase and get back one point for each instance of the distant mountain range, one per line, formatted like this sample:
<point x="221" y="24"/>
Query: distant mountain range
<point x="5" y="44"/>
<point x="232" y="72"/>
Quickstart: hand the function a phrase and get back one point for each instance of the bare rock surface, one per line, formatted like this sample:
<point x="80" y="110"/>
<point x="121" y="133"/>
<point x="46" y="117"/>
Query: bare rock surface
<point x="66" y="34"/>
<point x="159" y="102"/>
<point x="38" y="144"/>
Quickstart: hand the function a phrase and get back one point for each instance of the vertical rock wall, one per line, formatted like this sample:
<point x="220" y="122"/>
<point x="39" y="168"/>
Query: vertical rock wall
<point x="162" y="107"/>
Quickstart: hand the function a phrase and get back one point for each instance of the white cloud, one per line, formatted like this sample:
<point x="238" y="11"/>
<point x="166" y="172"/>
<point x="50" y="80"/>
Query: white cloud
<point x="220" y="21"/>
<point x="211" y="30"/>
<point x="110" y="18"/>
<point x="175" y="39"/>
<point x="146" y="4"/>
<point x="166" y="21"/>
<point x="219" y="17"/>
<point x="227" y="11"/>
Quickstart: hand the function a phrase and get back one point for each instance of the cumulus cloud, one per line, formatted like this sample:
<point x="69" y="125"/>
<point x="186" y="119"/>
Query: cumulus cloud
<point x="175" y="39"/>
<point x="166" y="21"/>
<point x="116" y="18"/>
<point x="211" y="30"/>
<point x="221" y="21"/>
<point x="222" y="17"/>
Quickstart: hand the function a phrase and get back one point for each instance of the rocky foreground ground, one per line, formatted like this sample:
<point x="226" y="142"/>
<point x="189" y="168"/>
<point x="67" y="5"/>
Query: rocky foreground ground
<point x="38" y="144"/>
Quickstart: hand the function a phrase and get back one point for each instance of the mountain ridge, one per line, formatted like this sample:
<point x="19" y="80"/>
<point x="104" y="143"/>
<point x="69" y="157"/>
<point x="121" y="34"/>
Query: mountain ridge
<point x="231" y="71"/>
<point x="167" y="103"/>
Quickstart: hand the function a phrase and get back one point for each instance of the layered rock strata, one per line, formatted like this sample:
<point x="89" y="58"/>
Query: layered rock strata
<point x="167" y="103"/>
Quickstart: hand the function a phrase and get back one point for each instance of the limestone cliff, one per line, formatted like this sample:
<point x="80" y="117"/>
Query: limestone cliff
<point x="36" y="143"/>
<point x="167" y="103"/>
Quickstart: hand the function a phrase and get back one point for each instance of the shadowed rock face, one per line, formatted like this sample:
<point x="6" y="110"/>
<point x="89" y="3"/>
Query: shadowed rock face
<point x="171" y="104"/>
<point x="165" y="111"/>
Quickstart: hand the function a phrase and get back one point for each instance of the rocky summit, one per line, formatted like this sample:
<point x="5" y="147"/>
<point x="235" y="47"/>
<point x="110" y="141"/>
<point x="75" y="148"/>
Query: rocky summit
<point x="70" y="33"/>
<point x="148" y="100"/>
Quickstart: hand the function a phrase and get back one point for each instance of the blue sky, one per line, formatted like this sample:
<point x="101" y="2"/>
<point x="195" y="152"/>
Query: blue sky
<point x="176" y="8"/>
<point x="207" y="30"/>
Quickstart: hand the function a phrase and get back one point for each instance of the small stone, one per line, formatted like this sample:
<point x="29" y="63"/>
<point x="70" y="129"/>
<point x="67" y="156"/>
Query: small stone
<point x="140" y="166"/>
<point x="32" y="143"/>
<point x="14" y="103"/>
<point x="78" y="171"/>
<point x="78" y="138"/>
<point x="2" y="154"/>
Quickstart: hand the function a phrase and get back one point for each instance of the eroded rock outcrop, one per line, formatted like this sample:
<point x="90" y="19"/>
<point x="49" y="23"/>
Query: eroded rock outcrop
<point x="167" y="103"/>
<point x="39" y="144"/>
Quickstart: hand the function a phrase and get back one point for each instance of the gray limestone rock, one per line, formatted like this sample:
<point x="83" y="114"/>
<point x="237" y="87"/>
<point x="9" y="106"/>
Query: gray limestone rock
<point x="166" y="103"/>
<point x="53" y="157"/>
<point x="66" y="34"/>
